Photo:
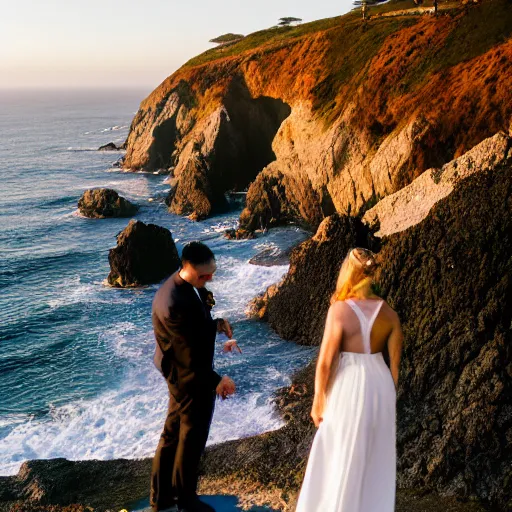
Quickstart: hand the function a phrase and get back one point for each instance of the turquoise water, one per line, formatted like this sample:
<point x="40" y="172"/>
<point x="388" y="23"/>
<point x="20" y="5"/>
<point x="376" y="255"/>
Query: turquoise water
<point x="76" y="378"/>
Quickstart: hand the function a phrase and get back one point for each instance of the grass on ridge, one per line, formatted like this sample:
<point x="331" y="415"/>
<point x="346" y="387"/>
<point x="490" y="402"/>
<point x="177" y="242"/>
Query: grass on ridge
<point x="481" y="28"/>
<point x="263" y="37"/>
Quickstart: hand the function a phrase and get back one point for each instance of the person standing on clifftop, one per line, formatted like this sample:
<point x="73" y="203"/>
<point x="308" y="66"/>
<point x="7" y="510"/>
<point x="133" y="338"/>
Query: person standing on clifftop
<point x="185" y="334"/>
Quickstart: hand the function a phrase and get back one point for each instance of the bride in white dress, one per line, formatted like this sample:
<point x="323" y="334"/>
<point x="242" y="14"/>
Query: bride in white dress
<point x="352" y="464"/>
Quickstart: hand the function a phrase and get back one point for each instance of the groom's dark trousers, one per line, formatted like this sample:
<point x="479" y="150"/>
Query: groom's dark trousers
<point x="185" y="335"/>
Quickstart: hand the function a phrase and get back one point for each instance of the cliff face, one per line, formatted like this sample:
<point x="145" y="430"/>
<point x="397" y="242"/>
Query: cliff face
<point x="448" y="274"/>
<point x="329" y="116"/>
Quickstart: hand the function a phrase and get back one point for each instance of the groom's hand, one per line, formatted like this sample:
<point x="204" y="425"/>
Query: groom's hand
<point x="225" y="327"/>
<point x="225" y="388"/>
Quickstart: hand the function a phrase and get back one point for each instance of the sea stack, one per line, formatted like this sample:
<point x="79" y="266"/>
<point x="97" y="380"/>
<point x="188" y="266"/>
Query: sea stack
<point x="101" y="203"/>
<point x="145" y="254"/>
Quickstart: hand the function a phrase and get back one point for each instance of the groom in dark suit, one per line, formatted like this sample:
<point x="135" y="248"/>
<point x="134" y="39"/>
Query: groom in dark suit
<point x="185" y="334"/>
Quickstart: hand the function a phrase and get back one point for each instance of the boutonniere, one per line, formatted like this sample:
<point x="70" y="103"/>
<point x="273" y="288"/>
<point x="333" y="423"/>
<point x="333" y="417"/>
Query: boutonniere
<point x="209" y="300"/>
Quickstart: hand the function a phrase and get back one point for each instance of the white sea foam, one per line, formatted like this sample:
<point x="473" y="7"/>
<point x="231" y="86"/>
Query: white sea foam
<point x="114" y="128"/>
<point x="109" y="129"/>
<point x="72" y="291"/>
<point x="237" y="283"/>
<point x="137" y="187"/>
<point x="82" y="149"/>
<point x="125" y="423"/>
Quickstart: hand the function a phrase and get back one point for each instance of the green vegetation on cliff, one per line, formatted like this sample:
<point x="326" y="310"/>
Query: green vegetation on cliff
<point x="463" y="34"/>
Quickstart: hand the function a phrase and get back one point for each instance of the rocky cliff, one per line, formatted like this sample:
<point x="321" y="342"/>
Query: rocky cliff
<point x="447" y="270"/>
<point x="328" y="116"/>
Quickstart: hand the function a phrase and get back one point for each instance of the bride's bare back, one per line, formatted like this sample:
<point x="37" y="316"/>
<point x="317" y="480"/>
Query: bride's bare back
<point x="343" y="331"/>
<point x="352" y="336"/>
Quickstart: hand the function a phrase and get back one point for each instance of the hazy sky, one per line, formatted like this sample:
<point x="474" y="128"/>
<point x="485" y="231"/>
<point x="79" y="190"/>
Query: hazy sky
<point x="126" y="43"/>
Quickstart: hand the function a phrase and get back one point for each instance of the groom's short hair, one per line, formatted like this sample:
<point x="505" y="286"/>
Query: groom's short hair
<point x="196" y="253"/>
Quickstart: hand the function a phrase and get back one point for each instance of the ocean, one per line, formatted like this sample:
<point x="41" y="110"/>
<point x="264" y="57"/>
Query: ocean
<point x="76" y="373"/>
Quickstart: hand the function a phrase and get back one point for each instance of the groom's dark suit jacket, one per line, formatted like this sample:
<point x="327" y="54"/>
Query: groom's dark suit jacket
<point x="185" y="335"/>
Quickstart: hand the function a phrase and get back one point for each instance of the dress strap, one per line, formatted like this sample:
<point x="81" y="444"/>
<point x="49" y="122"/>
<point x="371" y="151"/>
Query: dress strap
<point x="366" y="323"/>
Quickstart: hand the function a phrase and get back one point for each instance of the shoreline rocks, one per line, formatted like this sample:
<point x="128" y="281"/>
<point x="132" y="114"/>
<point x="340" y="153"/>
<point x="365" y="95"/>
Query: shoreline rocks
<point x="75" y="486"/>
<point x="264" y="470"/>
<point x="102" y="203"/>
<point x="145" y="254"/>
<point x="110" y="147"/>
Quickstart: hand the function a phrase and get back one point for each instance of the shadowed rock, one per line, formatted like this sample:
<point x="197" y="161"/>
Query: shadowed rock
<point x="275" y="199"/>
<point x="101" y="203"/>
<point x="271" y="257"/>
<point x="234" y="145"/>
<point x="296" y="308"/>
<point x="239" y="234"/>
<point x="48" y="485"/>
<point x="450" y="279"/>
<point x="109" y="147"/>
<point x="145" y="254"/>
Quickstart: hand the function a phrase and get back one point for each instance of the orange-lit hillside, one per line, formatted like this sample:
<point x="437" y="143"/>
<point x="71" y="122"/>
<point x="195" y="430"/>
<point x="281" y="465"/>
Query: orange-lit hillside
<point x="412" y="91"/>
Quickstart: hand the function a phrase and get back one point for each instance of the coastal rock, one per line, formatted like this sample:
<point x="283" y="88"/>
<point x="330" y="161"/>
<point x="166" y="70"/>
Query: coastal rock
<point x="271" y="257"/>
<point x="333" y="122"/>
<point x="109" y="147"/>
<point x="412" y="204"/>
<point x="119" y="162"/>
<point x="145" y="254"/>
<point x="237" y="467"/>
<point x="239" y="234"/>
<point x="220" y="151"/>
<point x="229" y="148"/>
<point x="48" y="485"/>
<point x="275" y="198"/>
<point x="269" y="469"/>
<point x="296" y="308"/>
<point x="449" y="277"/>
<point x="101" y="203"/>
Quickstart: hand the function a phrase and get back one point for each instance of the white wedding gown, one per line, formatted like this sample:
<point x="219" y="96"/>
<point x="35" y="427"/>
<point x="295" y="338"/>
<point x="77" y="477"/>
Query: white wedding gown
<point x="352" y="464"/>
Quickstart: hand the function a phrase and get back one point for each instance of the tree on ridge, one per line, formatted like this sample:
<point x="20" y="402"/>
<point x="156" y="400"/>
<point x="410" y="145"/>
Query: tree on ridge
<point x="286" y="22"/>
<point x="227" y="38"/>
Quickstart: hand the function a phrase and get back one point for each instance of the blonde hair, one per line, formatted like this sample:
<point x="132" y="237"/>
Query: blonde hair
<point x="355" y="277"/>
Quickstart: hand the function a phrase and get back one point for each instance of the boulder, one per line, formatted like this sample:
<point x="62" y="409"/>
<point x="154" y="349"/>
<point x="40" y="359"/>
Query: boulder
<point x="277" y="199"/>
<point x="119" y="162"/>
<point x="109" y="147"/>
<point x="100" y="203"/>
<point x="271" y="257"/>
<point x="239" y="234"/>
<point x="145" y="254"/>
